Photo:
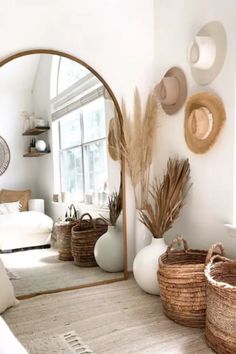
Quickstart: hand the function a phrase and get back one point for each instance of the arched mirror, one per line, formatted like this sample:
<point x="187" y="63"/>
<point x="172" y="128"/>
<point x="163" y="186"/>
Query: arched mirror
<point x="62" y="217"/>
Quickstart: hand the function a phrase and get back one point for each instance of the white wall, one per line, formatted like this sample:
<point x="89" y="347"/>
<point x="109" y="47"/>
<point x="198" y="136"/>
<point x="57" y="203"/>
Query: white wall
<point x="20" y="173"/>
<point x="210" y="203"/>
<point x="114" y="36"/>
<point x="41" y="104"/>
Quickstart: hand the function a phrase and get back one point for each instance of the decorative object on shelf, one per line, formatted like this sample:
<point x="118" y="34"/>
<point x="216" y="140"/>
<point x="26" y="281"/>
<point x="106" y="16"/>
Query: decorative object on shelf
<point x="40" y="145"/>
<point x="4" y="155"/>
<point x="114" y="139"/>
<point x="26" y="123"/>
<point x="84" y="236"/>
<point x="109" y="248"/>
<point x="32" y="119"/>
<point x="204" y="119"/>
<point x="172" y="90"/>
<point x="220" y="329"/>
<point x="158" y="215"/>
<point x="207" y="51"/>
<point x="40" y="123"/>
<point x="36" y="205"/>
<point x="56" y="198"/>
<point x="181" y="279"/>
<point x="65" y="197"/>
<point x="32" y="144"/>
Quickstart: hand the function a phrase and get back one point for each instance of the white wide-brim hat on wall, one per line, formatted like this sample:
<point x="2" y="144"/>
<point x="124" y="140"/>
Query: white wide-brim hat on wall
<point x="207" y="51"/>
<point x="204" y="118"/>
<point x="171" y="91"/>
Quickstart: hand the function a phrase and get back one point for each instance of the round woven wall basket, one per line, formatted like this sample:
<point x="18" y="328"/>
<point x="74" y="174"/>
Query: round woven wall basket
<point x="221" y="305"/>
<point x="4" y="156"/>
<point x="182" y="282"/>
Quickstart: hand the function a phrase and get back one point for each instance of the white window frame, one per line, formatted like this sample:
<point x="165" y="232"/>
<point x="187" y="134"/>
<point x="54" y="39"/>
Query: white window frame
<point x="84" y="91"/>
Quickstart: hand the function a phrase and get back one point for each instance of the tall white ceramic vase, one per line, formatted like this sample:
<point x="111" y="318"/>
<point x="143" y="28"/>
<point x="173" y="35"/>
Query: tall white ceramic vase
<point x="143" y="236"/>
<point x="109" y="250"/>
<point x="146" y="265"/>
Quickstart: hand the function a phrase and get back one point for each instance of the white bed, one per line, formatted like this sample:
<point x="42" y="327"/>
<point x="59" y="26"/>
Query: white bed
<point x="24" y="229"/>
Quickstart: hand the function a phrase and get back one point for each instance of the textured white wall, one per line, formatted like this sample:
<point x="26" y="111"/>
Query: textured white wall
<point x="210" y="203"/>
<point x="114" y="36"/>
<point x="20" y="173"/>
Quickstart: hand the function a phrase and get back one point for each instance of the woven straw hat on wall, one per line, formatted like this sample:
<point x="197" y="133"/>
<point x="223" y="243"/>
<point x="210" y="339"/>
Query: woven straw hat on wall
<point x="204" y="118"/>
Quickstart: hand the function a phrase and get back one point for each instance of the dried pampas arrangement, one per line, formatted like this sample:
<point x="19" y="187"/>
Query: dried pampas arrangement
<point x="115" y="207"/>
<point x="167" y="198"/>
<point x="138" y="144"/>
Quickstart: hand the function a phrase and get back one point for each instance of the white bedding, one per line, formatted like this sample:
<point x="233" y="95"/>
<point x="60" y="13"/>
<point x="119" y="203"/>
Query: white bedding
<point x="9" y="344"/>
<point x="25" y="229"/>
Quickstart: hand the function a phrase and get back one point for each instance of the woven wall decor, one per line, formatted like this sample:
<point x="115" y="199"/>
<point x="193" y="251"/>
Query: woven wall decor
<point x="4" y="156"/>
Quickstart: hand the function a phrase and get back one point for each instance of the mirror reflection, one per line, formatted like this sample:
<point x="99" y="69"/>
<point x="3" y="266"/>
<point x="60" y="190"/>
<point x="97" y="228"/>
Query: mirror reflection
<point x="61" y="213"/>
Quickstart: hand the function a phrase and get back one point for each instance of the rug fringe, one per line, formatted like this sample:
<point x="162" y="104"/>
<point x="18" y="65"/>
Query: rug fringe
<point x="76" y="344"/>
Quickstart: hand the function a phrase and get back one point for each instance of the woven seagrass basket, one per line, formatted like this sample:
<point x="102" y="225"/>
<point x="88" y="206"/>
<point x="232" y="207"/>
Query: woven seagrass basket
<point x="182" y="282"/>
<point x="63" y="234"/>
<point x="84" y="236"/>
<point x="221" y="305"/>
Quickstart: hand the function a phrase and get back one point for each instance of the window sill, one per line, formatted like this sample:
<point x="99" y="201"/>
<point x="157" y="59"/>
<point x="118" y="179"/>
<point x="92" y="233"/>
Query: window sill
<point x="93" y="207"/>
<point x="231" y="229"/>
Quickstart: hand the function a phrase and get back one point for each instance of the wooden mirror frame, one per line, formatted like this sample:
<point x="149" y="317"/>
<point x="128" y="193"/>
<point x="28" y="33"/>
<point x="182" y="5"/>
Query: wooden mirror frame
<point x="71" y="57"/>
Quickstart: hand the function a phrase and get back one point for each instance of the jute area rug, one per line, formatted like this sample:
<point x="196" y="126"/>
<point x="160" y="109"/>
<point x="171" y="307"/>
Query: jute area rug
<point x="117" y="318"/>
<point x="68" y="343"/>
<point x="38" y="270"/>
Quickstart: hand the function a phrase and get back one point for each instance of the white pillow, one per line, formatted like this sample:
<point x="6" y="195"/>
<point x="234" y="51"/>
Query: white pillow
<point x="7" y="296"/>
<point x="10" y="208"/>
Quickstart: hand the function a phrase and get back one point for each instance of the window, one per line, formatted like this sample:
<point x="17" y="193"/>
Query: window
<point x="69" y="72"/>
<point x="79" y="132"/>
<point x="83" y="151"/>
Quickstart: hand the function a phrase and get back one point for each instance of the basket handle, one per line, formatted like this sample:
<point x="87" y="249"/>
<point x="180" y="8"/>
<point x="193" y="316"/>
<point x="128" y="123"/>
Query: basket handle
<point x="90" y="219"/>
<point x="101" y="219"/>
<point x="212" y="249"/>
<point x="219" y="258"/>
<point x="174" y="242"/>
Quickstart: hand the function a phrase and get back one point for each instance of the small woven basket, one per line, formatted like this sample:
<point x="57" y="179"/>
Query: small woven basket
<point x="221" y="305"/>
<point x="63" y="234"/>
<point x="84" y="236"/>
<point x="182" y="282"/>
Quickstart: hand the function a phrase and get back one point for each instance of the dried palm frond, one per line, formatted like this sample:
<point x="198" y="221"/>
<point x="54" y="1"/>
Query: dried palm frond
<point x="167" y="198"/>
<point x="138" y="143"/>
<point x="115" y="207"/>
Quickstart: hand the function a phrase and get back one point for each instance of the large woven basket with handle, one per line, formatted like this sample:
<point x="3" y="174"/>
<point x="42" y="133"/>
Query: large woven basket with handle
<point x="84" y="236"/>
<point x="182" y="282"/>
<point x="221" y="305"/>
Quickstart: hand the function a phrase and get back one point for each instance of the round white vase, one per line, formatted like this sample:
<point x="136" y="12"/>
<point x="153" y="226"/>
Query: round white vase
<point x="143" y="236"/>
<point x="109" y="250"/>
<point x="146" y="265"/>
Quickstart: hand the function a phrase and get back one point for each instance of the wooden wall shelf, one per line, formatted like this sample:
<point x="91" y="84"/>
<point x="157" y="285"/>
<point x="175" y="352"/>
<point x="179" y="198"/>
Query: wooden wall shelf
<point x="35" y="154"/>
<point x="36" y="131"/>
